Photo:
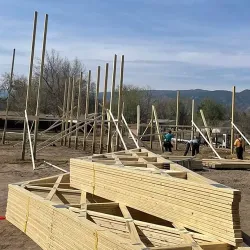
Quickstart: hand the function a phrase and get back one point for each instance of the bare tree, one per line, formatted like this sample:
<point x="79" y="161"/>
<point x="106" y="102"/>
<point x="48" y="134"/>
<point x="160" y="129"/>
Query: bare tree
<point x="57" y="70"/>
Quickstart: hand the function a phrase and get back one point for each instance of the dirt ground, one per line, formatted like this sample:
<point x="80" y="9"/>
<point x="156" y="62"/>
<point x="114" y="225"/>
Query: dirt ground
<point x="12" y="170"/>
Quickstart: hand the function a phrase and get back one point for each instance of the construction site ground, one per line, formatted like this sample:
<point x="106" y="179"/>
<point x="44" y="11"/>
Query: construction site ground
<point x="13" y="170"/>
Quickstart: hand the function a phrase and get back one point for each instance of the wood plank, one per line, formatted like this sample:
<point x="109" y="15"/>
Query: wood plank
<point x="135" y="238"/>
<point x="53" y="190"/>
<point x="186" y="236"/>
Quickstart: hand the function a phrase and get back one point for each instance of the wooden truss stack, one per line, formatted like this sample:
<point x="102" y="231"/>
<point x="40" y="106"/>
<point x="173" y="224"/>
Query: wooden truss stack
<point x="226" y="163"/>
<point x="126" y="200"/>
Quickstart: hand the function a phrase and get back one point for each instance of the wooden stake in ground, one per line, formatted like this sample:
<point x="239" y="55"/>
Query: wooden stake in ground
<point x="72" y="110"/>
<point x="192" y="132"/>
<point x="86" y="110"/>
<point x="40" y="83"/>
<point x="111" y="103"/>
<point x="67" y="110"/>
<point x="232" y="120"/>
<point x="78" y="109"/>
<point x="29" y="82"/>
<point x="103" y="107"/>
<point x="120" y="101"/>
<point x="8" y="98"/>
<point x="177" y="118"/>
<point x="96" y="108"/>
<point x="138" y="122"/>
<point x="64" y="109"/>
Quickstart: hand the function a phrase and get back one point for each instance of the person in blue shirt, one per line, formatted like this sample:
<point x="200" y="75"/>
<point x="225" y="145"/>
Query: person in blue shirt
<point x="167" y="141"/>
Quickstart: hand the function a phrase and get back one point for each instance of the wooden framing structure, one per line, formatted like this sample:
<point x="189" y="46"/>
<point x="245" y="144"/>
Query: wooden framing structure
<point x="152" y="184"/>
<point x="58" y="216"/>
<point x="29" y="81"/>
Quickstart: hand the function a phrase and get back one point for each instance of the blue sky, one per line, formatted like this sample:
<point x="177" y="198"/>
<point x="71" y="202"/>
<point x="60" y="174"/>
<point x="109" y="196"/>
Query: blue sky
<point x="168" y="44"/>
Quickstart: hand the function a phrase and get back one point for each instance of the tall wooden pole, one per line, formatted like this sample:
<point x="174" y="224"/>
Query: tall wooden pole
<point x="120" y="101"/>
<point x="111" y="104"/>
<point x="29" y="83"/>
<point x="86" y="111"/>
<point x="64" y="109"/>
<point x="232" y="119"/>
<point x="40" y="83"/>
<point x="177" y="117"/>
<point x="96" y="108"/>
<point x="67" y="110"/>
<point x="103" y="107"/>
<point x="78" y="109"/>
<point x="192" y="132"/>
<point x="8" y="98"/>
<point x="72" y="110"/>
<point x="138" y="122"/>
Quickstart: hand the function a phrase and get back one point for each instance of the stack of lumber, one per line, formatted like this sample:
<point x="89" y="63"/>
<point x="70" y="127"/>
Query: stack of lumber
<point x="189" y="162"/>
<point x="226" y="163"/>
<point x="57" y="216"/>
<point x="154" y="185"/>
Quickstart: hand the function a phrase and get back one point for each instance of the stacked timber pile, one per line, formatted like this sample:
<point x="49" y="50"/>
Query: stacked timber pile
<point x="226" y="163"/>
<point x="151" y="184"/>
<point x="189" y="162"/>
<point x="57" y="216"/>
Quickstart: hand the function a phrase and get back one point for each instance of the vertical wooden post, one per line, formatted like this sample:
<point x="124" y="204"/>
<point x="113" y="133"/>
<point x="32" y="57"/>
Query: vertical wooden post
<point x="96" y="108"/>
<point x="103" y="107"/>
<point x="72" y="110"/>
<point x="120" y="101"/>
<point x="111" y="103"/>
<point x="151" y="128"/>
<point x="40" y="83"/>
<point x="138" y="122"/>
<point x="177" y="118"/>
<point x="64" y="110"/>
<point x="78" y="110"/>
<point x="192" y="132"/>
<point x="86" y="111"/>
<point x="232" y="119"/>
<point x="67" y="111"/>
<point x="8" y="98"/>
<point x="29" y="82"/>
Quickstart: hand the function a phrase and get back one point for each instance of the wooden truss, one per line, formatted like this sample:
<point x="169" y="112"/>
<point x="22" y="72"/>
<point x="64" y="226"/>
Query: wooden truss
<point x="154" y="185"/>
<point x="57" y="216"/>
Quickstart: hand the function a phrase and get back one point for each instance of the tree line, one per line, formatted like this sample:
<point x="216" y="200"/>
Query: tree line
<point x="58" y="69"/>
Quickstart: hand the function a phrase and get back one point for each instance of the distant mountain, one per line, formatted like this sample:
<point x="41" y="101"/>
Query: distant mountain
<point x="221" y="96"/>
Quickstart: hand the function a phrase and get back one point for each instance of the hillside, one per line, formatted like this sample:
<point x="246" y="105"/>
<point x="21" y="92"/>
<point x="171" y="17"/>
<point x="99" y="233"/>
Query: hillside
<point x="221" y="96"/>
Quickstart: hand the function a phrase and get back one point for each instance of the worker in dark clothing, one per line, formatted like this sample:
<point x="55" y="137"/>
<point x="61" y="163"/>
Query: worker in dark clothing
<point x="239" y="144"/>
<point x="195" y="144"/>
<point x="167" y="141"/>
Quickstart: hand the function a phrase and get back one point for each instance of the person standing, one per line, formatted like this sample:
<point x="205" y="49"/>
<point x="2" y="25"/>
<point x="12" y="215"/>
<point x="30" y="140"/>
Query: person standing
<point x="167" y="141"/>
<point x="239" y="144"/>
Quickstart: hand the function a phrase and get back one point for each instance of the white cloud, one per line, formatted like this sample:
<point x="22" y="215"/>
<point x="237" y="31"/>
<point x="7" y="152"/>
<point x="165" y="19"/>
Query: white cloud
<point x="162" y="62"/>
